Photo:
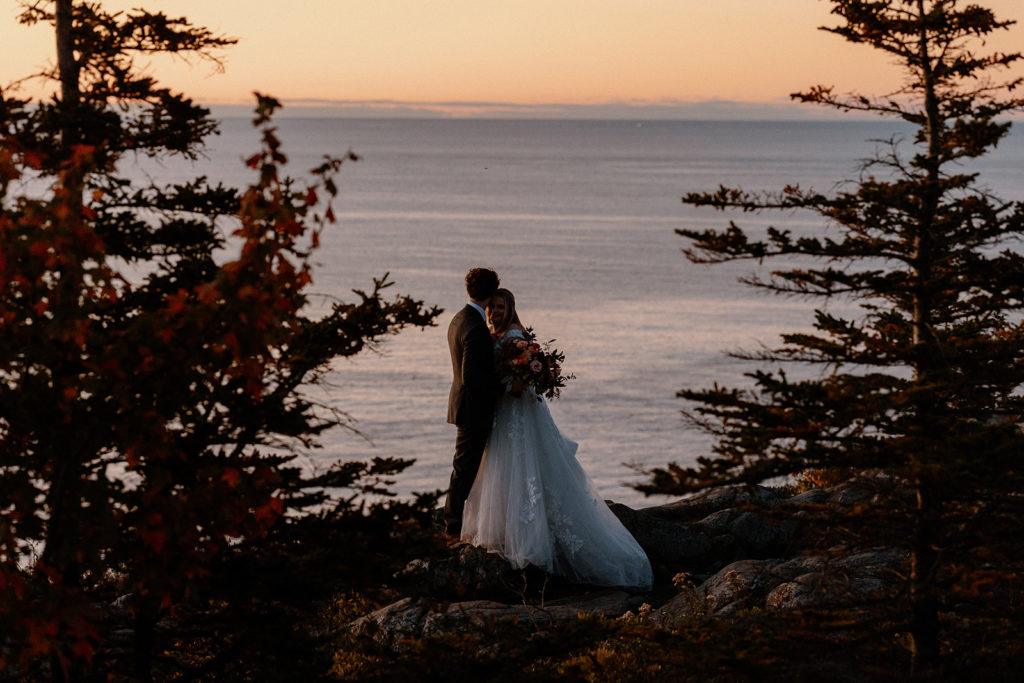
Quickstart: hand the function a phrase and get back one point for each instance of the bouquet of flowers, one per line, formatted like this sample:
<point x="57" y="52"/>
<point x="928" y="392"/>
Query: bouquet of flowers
<point x="531" y="364"/>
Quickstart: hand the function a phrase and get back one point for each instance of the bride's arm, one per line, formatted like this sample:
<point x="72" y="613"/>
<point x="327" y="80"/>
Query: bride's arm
<point x="513" y="335"/>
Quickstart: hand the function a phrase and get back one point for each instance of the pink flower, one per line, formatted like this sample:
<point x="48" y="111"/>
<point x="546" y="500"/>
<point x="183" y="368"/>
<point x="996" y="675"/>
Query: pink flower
<point x="536" y="366"/>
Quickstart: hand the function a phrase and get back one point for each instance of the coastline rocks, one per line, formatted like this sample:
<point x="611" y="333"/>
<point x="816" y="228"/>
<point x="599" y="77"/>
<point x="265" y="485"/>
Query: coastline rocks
<point x="754" y="535"/>
<point x="666" y="543"/>
<point x="419" y="617"/>
<point x="867" y="576"/>
<point x="706" y="532"/>
<point x="467" y="572"/>
<point x="832" y="579"/>
<point x="810" y="497"/>
<point x="723" y="551"/>
<point x="713" y="500"/>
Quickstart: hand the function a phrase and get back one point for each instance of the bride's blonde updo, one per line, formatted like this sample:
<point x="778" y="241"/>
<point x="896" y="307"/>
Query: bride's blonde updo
<point x="511" y="317"/>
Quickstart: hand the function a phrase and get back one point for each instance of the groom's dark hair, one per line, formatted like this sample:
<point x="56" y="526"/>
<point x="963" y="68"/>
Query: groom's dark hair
<point x="481" y="283"/>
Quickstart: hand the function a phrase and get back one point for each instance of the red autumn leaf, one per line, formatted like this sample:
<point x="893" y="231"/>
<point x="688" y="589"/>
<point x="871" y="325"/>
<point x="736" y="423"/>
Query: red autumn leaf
<point x="265" y="513"/>
<point x="231" y="339"/>
<point x="40" y="249"/>
<point x="80" y="154"/>
<point x="83" y="649"/>
<point x="254" y="387"/>
<point x="176" y="303"/>
<point x="33" y="159"/>
<point x="155" y="539"/>
<point x="40" y="635"/>
<point x="231" y="476"/>
<point x="207" y="293"/>
<point x="198" y="572"/>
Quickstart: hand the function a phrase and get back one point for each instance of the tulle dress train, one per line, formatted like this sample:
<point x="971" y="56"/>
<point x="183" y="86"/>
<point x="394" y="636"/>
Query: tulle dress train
<point x="533" y="503"/>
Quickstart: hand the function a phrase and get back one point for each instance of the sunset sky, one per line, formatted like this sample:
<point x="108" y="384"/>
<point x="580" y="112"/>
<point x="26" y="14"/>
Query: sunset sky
<point x="462" y="56"/>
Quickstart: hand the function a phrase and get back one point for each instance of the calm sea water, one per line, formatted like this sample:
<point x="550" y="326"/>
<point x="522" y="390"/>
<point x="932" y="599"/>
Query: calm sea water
<point x="578" y="218"/>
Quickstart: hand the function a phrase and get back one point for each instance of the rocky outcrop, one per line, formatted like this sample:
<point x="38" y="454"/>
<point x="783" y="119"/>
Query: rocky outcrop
<point x="713" y="500"/>
<point x="749" y="534"/>
<point x="668" y="545"/>
<point x="468" y="572"/>
<point x="829" y="579"/>
<point x="706" y="532"/>
<point x="419" y="617"/>
<point x="727" y="550"/>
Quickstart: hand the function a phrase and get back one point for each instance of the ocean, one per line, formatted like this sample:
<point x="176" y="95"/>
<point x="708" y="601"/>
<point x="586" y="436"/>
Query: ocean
<point x="579" y="219"/>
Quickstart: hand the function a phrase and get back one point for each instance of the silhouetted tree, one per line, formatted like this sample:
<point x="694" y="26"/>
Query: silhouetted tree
<point x="925" y="384"/>
<point x="151" y="388"/>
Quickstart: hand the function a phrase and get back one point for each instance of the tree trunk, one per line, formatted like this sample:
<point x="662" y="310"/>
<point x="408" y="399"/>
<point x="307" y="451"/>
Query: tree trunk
<point x="62" y="498"/>
<point x="66" y="64"/>
<point x="924" y="606"/>
<point x="924" y="603"/>
<point x="142" y="657"/>
<point x="928" y="371"/>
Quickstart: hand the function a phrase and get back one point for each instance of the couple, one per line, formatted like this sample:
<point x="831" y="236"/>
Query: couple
<point x="516" y="487"/>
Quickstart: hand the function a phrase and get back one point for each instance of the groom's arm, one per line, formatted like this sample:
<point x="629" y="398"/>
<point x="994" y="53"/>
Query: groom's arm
<point x="478" y="373"/>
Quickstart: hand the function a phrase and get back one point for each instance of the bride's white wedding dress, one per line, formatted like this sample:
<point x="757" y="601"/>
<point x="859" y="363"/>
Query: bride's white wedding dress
<point x="533" y="503"/>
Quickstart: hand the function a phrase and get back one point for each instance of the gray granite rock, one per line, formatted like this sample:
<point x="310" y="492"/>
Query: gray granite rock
<point x="388" y="625"/>
<point x="740" y="585"/>
<point x="666" y="543"/>
<point x="841" y="580"/>
<point x="706" y="502"/>
<point x="832" y="579"/>
<point x="467" y="572"/>
<point x="730" y="553"/>
<point x="409" y="617"/>
<point x="809" y="497"/>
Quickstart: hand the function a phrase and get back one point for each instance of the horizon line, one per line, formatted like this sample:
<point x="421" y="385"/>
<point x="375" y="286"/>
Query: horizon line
<point x="665" y="109"/>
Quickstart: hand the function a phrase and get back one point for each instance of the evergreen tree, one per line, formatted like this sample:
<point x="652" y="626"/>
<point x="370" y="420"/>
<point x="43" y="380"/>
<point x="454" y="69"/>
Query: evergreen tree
<point x="925" y="383"/>
<point x="152" y="392"/>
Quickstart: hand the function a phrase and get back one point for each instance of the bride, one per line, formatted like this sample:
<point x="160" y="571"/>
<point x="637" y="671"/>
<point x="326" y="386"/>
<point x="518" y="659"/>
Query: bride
<point x="532" y="502"/>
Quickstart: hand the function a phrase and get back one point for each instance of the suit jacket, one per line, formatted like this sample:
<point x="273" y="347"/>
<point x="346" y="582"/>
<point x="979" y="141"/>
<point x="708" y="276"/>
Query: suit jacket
<point x="475" y="383"/>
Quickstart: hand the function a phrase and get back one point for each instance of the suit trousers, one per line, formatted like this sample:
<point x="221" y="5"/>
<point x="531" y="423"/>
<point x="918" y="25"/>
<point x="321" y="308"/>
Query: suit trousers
<point x="470" y="443"/>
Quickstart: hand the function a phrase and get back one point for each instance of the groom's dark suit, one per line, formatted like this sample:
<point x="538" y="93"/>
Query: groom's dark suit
<point x="475" y="388"/>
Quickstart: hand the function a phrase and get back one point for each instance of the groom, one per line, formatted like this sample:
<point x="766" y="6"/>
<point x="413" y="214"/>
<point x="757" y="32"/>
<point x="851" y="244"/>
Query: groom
<point x="475" y="389"/>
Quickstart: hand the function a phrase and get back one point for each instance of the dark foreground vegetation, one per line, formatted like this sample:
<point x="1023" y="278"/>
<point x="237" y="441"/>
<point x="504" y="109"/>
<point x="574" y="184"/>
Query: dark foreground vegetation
<point x="155" y="526"/>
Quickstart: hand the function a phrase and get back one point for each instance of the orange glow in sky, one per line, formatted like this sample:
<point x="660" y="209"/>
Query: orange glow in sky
<point x="522" y="52"/>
